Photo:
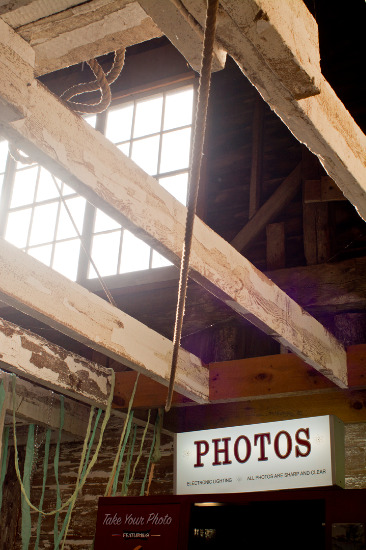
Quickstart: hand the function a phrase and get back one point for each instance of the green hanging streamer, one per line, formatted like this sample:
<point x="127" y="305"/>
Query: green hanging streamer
<point x="140" y="451"/>
<point x="91" y="464"/>
<point x="56" y="464"/>
<point x="122" y="452"/>
<point x="26" y="518"/>
<point x="112" y="475"/>
<point x="2" y="395"/>
<point x="142" y="490"/>
<point x="45" y="468"/>
<point x="126" y="476"/>
<point x="82" y="469"/>
<point x="4" y="461"/>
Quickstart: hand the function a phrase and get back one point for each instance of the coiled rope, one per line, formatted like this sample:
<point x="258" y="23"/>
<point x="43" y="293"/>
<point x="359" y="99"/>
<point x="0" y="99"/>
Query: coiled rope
<point x="198" y="141"/>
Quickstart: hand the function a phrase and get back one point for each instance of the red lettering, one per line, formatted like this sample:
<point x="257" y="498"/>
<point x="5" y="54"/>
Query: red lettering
<point x="225" y="450"/>
<point x="276" y="444"/>
<point x="200" y="452"/>
<point x="262" y="438"/>
<point x="303" y="442"/>
<point x="236" y="449"/>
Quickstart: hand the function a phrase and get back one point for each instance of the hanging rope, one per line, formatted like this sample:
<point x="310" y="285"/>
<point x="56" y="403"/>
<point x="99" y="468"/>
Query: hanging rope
<point x="4" y="461"/>
<point x="198" y="140"/>
<point x="102" y="82"/>
<point x="153" y="452"/>
<point x="127" y="435"/>
<point x="80" y="485"/>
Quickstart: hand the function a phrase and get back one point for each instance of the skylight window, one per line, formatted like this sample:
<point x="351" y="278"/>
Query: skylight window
<point x="155" y="132"/>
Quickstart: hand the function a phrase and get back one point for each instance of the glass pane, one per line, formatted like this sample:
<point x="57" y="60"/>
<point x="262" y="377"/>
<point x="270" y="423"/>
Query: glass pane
<point x="90" y="119"/>
<point x="66" y="258"/>
<point x="42" y="253"/>
<point x="175" y="150"/>
<point x="17" y="227"/>
<point x="148" y="117"/>
<point x="1" y="182"/>
<point x="105" y="249"/>
<point x="103" y="222"/>
<point x="119" y="123"/>
<point x="135" y="253"/>
<point x="46" y="186"/>
<point x="66" y="190"/>
<point x="177" y="186"/>
<point x="43" y="225"/>
<point x="125" y="148"/>
<point x="3" y="155"/>
<point x="65" y="228"/>
<point x="158" y="260"/>
<point x="145" y="154"/>
<point x="24" y="187"/>
<point x="178" y="109"/>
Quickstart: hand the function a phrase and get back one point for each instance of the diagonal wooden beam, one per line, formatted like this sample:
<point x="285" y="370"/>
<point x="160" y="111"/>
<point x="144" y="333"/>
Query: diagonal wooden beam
<point x="48" y="296"/>
<point x="269" y="41"/>
<point x="273" y="206"/>
<point x="113" y="182"/>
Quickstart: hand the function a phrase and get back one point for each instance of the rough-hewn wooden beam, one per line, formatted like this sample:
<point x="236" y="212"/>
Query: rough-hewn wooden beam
<point x="183" y="31"/>
<point x="28" y="355"/>
<point x="39" y="291"/>
<point x="113" y="182"/>
<point x="35" y="404"/>
<point x="282" y="196"/>
<point x="22" y="12"/>
<point x="321" y="122"/>
<point x="89" y="30"/>
<point x="323" y="190"/>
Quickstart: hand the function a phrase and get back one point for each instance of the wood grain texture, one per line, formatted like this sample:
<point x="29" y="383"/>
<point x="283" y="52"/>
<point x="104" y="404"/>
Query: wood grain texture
<point x="34" y="358"/>
<point x="111" y="181"/>
<point x="50" y="297"/>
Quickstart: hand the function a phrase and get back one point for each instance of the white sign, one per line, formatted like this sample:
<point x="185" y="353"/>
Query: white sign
<point x="278" y="455"/>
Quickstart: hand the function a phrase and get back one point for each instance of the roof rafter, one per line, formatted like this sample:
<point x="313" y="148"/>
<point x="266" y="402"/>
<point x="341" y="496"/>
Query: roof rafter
<point x="55" y="136"/>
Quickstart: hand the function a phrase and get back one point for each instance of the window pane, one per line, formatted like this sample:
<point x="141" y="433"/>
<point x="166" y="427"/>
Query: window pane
<point x="105" y="251"/>
<point x="3" y="155"/>
<point x="175" y="150"/>
<point x="1" y="182"/>
<point x="148" y="117"/>
<point x="135" y="253"/>
<point x="46" y="186"/>
<point x="119" y="123"/>
<point x="17" y="227"/>
<point x="178" y="109"/>
<point x="41" y="253"/>
<point x="43" y="225"/>
<point x="103" y="222"/>
<point x="66" y="190"/>
<point x="125" y="148"/>
<point x="158" y="260"/>
<point x="91" y="120"/>
<point x="66" y="258"/>
<point x="24" y="186"/>
<point x="177" y="186"/>
<point x="145" y="154"/>
<point x="65" y="228"/>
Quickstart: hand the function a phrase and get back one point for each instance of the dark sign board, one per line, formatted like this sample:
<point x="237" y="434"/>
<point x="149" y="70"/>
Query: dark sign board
<point x="136" y="526"/>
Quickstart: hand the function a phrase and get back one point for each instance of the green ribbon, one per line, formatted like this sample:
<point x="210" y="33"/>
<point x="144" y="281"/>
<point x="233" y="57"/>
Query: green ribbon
<point x="45" y="468"/>
<point x="26" y="518"/>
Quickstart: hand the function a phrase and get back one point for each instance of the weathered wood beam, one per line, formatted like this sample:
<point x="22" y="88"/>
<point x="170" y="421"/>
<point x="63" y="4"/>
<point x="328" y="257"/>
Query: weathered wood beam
<point x="48" y="296"/>
<point x="275" y="204"/>
<point x="321" y="122"/>
<point x="28" y="355"/>
<point x="348" y="406"/>
<point x="275" y="246"/>
<point x="22" y="12"/>
<point x="271" y="376"/>
<point x="325" y="288"/>
<point x="113" y="182"/>
<point x="88" y="30"/>
<point x="183" y="31"/>
<point x="323" y="190"/>
<point x="35" y="404"/>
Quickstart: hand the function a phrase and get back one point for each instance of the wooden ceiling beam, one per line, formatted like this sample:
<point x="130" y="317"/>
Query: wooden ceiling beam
<point x="270" y="42"/>
<point x="39" y="291"/>
<point x="75" y="152"/>
<point x="34" y="358"/>
<point x="85" y="31"/>
<point x="183" y="31"/>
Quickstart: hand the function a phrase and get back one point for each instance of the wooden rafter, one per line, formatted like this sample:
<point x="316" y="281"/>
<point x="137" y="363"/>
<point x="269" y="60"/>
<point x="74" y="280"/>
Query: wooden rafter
<point x="99" y="171"/>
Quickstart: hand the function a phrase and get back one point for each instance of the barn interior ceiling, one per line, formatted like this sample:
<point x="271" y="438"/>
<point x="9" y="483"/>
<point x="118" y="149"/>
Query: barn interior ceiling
<point x="301" y="80"/>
